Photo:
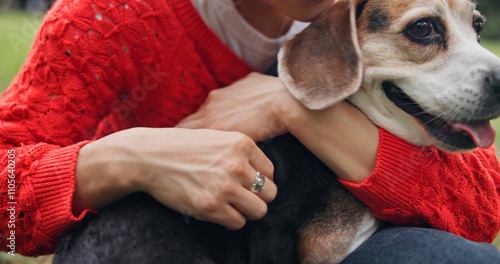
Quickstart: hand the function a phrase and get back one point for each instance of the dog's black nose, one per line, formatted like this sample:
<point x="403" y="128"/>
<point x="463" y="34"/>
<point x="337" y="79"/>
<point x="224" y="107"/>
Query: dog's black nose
<point x="493" y="82"/>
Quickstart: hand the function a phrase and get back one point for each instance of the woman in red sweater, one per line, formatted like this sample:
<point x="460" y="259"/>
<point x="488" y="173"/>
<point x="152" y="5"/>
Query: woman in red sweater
<point x="90" y="117"/>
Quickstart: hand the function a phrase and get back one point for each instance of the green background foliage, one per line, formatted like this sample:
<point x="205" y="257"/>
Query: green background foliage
<point x="491" y="9"/>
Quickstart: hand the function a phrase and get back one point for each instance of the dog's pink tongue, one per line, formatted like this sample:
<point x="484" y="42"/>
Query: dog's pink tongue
<point x="482" y="132"/>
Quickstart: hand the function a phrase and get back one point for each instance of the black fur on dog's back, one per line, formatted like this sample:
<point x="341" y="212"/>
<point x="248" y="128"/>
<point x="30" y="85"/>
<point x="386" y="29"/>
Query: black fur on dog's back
<point x="138" y="229"/>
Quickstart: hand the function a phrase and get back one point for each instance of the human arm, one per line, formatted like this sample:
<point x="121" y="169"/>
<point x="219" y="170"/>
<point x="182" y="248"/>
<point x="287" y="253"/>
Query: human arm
<point x="261" y="107"/>
<point x="78" y="85"/>
<point x="371" y="167"/>
<point x="455" y="192"/>
<point x="400" y="182"/>
<point x="202" y="173"/>
<point x="46" y="116"/>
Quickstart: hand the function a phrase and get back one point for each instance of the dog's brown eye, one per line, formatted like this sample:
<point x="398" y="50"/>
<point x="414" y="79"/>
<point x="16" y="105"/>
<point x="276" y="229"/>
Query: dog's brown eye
<point x="426" y="31"/>
<point x="422" y="29"/>
<point x="478" y="26"/>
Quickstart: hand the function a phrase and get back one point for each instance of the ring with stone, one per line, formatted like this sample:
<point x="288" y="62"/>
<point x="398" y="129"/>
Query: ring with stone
<point x="259" y="182"/>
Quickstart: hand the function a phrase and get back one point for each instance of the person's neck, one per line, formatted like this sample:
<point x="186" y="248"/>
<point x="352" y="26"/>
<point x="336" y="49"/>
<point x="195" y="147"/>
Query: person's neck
<point x="264" y="18"/>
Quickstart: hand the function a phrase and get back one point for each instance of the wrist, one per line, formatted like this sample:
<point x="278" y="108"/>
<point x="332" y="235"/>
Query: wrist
<point x="279" y="107"/>
<point x="341" y="136"/>
<point x="81" y="197"/>
<point x="288" y="110"/>
<point x="103" y="175"/>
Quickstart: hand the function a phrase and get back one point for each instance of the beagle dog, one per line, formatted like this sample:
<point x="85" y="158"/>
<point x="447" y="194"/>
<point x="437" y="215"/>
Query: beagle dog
<point x="416" y="68"/>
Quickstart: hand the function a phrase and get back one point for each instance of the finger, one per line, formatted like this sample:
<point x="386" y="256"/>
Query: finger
<point x="268" y="191"/>
<point x="242" y="176"/>
<point x="261" y="163"/>
<point x="247" y="174"/>
<point x="229" y="217"/>
<point x="249" y="204"/>
<point x="220" y="211"/>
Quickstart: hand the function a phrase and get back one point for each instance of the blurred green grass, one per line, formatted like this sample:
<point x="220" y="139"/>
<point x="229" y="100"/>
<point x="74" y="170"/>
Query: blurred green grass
<point x="492" y="45"/>
<point x="17" y="30"/>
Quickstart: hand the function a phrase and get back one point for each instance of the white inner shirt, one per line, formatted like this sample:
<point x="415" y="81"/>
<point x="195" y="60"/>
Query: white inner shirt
<point x="253" y="47"/>
<point x="259" y="52"/>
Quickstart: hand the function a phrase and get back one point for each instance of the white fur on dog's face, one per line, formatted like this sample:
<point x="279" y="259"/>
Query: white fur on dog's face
<point x="414" y="67"/>
<point x="444" y="78"/>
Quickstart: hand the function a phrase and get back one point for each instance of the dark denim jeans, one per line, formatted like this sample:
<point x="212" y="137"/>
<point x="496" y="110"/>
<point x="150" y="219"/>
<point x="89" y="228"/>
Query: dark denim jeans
<point x="409" y="245"/>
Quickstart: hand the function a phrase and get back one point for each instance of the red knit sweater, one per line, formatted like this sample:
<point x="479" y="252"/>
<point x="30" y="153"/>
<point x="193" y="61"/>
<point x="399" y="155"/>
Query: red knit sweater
<point x="98" y="67"/>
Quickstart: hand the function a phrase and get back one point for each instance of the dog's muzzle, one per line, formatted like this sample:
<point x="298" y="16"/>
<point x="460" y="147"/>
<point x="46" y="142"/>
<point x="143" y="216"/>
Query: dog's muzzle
<point x="465" y="133"/>
<point x="493" y="82"/>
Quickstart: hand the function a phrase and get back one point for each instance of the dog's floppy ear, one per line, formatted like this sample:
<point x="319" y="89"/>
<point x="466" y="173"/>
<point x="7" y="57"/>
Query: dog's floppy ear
<point x="322" y="65"/>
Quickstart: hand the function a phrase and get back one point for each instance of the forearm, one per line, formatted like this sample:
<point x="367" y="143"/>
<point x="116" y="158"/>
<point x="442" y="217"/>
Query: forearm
<point x="202" y="173"/>
<point x="103" y="175"/>
<point x="341" y="136"/>
<point x="413" y="185"/>
<point x="408" y="184"/>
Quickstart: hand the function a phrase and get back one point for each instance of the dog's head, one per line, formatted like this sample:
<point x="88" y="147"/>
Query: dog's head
<point x="416" y="68"/>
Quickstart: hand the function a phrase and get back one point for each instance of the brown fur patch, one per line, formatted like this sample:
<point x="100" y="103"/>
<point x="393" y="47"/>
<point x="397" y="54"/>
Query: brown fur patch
<point x="323" y="61"/>
<point x="327" y="237"/>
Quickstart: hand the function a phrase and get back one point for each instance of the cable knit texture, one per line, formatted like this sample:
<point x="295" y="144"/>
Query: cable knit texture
<point x="419" y="186"/>
<point x="97" y="67"/>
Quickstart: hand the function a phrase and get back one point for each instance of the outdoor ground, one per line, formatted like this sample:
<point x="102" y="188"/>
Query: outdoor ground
<point x="17" y="31"/>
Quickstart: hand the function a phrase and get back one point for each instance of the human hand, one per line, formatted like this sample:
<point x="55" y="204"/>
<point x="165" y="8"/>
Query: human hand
<point x="261" y="107"/>
<point x="252" y="105"/>
<point x="202" y="173"/>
